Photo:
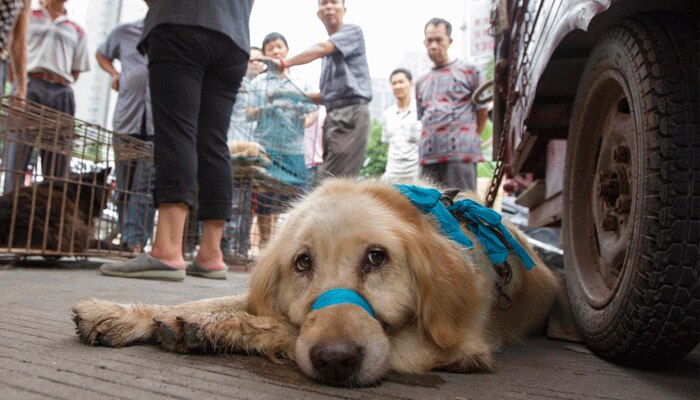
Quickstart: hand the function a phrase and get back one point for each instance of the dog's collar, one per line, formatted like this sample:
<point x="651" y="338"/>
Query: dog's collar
<point x="483" y="222"/>
<point x="341" y="296"/>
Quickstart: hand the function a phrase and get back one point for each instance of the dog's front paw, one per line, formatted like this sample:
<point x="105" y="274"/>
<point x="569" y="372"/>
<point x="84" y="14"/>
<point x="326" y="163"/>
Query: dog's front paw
<point x="100" y="322"/>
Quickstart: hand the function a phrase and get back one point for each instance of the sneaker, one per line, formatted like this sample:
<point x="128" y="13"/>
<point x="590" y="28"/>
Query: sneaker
<point x="196" y="270"/>
<point x="143" y="266"/>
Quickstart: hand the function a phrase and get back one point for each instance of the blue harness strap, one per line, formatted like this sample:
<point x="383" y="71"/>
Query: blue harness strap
<point x="341" y="296"/>
<point x="428" y="201"/>
<point x="485" y="223"/>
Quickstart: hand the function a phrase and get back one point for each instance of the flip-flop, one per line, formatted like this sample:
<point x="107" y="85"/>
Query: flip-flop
<point x="196" y="270"/>
<point x="143" y="266"/>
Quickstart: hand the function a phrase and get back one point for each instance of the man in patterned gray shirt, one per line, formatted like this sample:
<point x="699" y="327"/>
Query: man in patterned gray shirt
<point x="345" y="90"/>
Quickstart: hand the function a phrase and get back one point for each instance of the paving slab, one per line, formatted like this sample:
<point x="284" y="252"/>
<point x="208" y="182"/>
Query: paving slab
<point x="42" y="358"/>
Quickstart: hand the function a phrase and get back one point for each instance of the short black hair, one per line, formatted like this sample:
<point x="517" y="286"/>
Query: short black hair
<point x="271" y="37"/>
<point x="401" y="71"/>
<point x="440" y="21"/>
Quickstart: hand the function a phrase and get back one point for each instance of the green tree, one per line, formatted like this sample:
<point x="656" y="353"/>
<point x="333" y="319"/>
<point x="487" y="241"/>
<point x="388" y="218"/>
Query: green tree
<point x="375" y="156"/>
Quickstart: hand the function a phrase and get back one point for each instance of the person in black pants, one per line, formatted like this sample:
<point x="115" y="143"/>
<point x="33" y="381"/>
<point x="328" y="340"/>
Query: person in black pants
<point x="198" y="53"/>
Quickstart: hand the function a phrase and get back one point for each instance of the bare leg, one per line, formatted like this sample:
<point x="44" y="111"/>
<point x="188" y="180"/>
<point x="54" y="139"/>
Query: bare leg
<point x="167" y="246"/>
<point x="209" y="256"/>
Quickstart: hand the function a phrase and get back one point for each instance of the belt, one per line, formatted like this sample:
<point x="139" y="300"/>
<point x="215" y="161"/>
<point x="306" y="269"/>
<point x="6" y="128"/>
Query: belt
<point x="335" y="104"/>
<point x="49" y="77"/>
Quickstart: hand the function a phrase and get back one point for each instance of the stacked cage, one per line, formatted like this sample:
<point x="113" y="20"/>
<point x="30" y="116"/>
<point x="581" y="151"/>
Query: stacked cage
<point x="266" y="143"/>
<point x="56" y="174"/>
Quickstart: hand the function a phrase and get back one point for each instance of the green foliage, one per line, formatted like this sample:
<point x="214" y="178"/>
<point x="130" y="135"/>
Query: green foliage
<point x="375" y="157"/>
<point x="486" y="168"/>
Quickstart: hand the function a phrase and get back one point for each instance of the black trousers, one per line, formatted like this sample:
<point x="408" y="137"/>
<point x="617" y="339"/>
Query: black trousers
<point x="194" y="74"/>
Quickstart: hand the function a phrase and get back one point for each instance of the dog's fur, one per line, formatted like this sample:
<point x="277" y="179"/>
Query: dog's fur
<point x="436" y="306"/>
<point x="59" y="209"/>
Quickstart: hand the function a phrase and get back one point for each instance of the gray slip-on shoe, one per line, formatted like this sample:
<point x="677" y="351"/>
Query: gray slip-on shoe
<point x="196" y="270"/>
<point x="143" y="266"/>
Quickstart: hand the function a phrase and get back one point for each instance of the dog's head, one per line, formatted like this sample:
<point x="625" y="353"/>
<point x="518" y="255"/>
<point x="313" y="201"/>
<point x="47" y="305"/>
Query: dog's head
<point x="368" y="238"/>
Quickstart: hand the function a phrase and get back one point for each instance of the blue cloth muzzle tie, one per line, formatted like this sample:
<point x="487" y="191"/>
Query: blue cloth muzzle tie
<point x="341" y="296"/>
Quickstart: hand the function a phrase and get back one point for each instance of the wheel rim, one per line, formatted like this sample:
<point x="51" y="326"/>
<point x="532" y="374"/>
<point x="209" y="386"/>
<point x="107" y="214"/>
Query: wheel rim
<point x="602" y="196"/>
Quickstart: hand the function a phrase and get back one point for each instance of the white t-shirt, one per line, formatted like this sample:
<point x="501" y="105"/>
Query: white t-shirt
<point x="402" y="131"/>
<point x="58" y="46"/>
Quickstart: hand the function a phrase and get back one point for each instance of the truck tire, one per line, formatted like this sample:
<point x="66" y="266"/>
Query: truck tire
<point x="631" y="222"/>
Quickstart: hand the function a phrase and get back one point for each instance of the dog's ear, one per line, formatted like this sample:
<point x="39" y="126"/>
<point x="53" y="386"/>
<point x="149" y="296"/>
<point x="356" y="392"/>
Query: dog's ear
<point x="263" y="285"/>
<point x="447" y="287"/>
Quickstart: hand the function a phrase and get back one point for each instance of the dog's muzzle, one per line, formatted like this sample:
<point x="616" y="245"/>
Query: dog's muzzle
<point x="341" y="296"/>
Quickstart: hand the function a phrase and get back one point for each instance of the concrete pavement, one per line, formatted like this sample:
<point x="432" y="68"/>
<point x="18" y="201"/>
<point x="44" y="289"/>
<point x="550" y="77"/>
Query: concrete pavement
<point x="42" y="358"/>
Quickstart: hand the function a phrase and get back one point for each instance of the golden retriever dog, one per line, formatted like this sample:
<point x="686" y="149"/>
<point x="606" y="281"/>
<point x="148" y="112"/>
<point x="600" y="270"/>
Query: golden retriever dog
<point x="404" y="297"/>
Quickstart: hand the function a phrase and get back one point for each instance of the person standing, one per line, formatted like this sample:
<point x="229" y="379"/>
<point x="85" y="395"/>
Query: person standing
<point x="280" y="109"/>
<point x="57" y="54"/>
<point x="132" y="117"/>
<point x="401" y="129"/>
<point x="198" y="54"/>
<point x="450" y="145"/>
<point x="345" y="90"/>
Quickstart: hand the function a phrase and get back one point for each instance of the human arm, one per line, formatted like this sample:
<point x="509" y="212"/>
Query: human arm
<point x="319" y="50"/>
<point x="108" y="66"/>
<point x="481" y="116"/>
<point x="19" y="51"/>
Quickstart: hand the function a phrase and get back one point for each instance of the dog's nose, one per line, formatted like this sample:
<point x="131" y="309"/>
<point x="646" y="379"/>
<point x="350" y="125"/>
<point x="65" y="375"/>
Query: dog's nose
<point x="336" y="361"/>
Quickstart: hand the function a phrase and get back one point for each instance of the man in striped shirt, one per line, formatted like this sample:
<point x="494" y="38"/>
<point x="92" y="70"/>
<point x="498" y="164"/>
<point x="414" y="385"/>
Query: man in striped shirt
<point x="450" y="144"/>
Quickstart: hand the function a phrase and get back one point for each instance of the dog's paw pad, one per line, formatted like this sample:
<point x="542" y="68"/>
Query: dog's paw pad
<point x="170" y="336"/>
<point x="193" y="336"/>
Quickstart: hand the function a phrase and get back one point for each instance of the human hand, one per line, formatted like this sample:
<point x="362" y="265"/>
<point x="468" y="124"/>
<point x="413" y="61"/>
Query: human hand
<point x="273" y="64"/>
<point x="115" y="82"/>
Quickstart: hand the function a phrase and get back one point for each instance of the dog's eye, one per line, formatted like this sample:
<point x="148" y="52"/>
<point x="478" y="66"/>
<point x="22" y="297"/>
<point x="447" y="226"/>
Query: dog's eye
<point x="302" y="263"/>
<point x="376" y="258"/>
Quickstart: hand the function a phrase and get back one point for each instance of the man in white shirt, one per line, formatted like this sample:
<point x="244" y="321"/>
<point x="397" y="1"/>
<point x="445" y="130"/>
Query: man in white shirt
<point x="57" y="53"/>
<point x="402" y="129"/>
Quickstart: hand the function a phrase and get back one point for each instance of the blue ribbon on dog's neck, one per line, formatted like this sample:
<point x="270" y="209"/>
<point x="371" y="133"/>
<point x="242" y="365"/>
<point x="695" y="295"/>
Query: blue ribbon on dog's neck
<point x="341" y="296"/>
<point x="485" y="222"/>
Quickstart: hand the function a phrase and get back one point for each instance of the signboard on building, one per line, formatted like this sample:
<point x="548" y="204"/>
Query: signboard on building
<point x="478" y="43"/>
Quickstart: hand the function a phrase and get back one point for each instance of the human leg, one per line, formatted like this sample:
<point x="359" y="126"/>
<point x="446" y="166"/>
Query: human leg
<point x="55" y="162"/>
<point x="219" y="87"/>
<point x="139" y="211"/>
<point x="345" y="135"/>
<point x="461" y="175"/>
<point x="174" y="56"/>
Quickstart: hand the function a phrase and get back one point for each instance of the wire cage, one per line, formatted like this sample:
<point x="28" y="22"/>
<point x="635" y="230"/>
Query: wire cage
<point x="57" y="184"/>
<point x="271" y="120"/>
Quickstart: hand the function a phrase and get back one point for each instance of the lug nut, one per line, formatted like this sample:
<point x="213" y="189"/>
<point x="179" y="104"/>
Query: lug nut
<point x="621" y="154"/>
<point x="623" y="204"/>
